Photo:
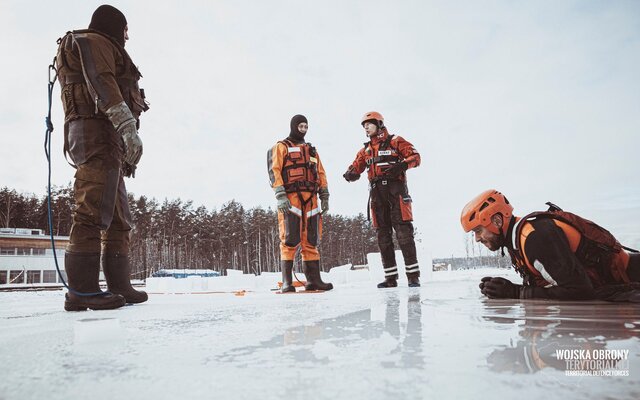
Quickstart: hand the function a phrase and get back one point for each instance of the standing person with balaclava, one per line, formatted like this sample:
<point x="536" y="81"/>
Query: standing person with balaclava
<point x="102" y="103"/>
<point x="298" y="178"/>
<point x="387" y="158"/>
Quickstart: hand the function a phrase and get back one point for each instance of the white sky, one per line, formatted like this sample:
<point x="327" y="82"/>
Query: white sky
<point x="538" y="99"/>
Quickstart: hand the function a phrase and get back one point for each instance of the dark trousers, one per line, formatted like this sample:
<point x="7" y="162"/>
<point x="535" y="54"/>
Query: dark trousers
<point x="101" y="215"/>
<point x="391" y="210"/>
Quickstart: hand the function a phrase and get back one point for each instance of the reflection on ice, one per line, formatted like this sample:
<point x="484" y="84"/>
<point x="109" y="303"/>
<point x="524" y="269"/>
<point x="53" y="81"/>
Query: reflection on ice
<point x="393" y="328"/>
<point x="544" y="329"/>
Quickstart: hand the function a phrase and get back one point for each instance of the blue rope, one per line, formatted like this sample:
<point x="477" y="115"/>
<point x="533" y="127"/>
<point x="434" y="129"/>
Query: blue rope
<point x="47" y="152"/>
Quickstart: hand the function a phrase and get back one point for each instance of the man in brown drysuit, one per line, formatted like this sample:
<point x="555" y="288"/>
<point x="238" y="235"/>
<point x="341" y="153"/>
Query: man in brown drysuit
<point x="102" y="103"/>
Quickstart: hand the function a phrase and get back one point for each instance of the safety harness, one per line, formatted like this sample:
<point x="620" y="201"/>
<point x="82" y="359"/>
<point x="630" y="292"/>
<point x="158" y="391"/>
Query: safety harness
<point x="125" y="82"/>
<point x="385" y="155"/>
<point x="596" y="248"/>
<point x="300" y="173"/>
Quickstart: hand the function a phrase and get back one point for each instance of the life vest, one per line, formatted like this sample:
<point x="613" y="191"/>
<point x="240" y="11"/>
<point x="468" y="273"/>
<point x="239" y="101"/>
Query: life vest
<point x="76" y="79"/>
<point x="300" y="168"/>
<point x="599" y="252"/>
<point x="379" y="157"/>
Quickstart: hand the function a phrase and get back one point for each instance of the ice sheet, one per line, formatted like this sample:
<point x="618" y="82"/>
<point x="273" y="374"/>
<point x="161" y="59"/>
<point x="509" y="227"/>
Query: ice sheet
<point x="442" y="340"/>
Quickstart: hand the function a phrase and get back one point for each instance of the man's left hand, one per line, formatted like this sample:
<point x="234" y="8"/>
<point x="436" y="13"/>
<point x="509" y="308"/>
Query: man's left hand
<point x="324" y="205"/>
<point x="397" y="169"/>
<point x="323" y="193"/>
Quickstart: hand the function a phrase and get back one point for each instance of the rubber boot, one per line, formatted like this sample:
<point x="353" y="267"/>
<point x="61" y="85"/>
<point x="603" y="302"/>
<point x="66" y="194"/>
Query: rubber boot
<point x="118" y="274"/>
<point x="83" y="273"/>
<point x="388" y="282"/>
<point x="314" y="280"/>
<point x="287" y="278"/>
<point x="414" y="279"/>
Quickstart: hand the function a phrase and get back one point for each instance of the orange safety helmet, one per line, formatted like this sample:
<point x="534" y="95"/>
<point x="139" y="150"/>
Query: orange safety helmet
<point x="373" y="115"/>
<point x="478" y="212"/>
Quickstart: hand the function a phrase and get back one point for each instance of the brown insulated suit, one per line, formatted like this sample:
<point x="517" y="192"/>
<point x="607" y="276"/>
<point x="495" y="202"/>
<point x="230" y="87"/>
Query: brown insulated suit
<point x="96" y="73"/>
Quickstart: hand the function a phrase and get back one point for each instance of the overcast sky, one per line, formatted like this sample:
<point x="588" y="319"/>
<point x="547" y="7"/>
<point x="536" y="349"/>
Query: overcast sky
<point x="538" y="99"/>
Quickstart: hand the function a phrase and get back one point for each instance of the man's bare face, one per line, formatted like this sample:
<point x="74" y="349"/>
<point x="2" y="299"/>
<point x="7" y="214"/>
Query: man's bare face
<point x="371" y="129"/>
<point x="487" y="238"/>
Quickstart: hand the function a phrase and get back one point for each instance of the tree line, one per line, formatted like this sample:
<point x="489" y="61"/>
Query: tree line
<point x="177" y="234"/>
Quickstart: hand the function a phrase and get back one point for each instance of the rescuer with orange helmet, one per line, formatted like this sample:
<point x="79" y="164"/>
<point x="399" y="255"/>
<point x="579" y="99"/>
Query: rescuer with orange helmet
<point x="386" y="158"/>
<point x="559" y="255"/>
<point x="298" y="179"/>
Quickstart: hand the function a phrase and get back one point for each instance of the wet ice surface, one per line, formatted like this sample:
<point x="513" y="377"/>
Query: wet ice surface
<point x="439" y="341"/>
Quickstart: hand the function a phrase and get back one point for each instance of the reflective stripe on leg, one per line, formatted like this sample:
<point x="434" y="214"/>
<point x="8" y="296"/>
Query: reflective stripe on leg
<point x="391" y="271"/>
<point x="412" y="268"/>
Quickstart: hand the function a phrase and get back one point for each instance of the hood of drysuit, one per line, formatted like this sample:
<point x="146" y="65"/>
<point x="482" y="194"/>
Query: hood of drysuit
<point x="110" y="21"/>
<point x="295" y="135"/>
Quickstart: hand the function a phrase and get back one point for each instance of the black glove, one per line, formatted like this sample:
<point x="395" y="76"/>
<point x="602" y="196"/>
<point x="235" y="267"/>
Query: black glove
<point x="350" y="175"/>
<point x="483" y="281"/>
<point x="627" y="292"/>
<point x="499" y="288"/>
<point x="397" y="169"/>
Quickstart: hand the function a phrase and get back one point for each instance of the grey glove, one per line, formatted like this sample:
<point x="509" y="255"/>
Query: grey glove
<point x="323" y="193"/>
<point x="283" y="201"/>
<point x="125" y="124"/>
<point x="129" y="170"/>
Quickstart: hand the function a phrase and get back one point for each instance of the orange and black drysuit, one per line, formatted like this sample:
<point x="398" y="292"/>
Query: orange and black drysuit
<point x="554" y="262"/>
<point x="297" y="168"/>
<point x="390" y="203"/>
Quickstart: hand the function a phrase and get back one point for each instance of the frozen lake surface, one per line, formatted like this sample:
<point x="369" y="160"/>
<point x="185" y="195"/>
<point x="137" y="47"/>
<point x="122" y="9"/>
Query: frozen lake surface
<point x="440" y="341"/>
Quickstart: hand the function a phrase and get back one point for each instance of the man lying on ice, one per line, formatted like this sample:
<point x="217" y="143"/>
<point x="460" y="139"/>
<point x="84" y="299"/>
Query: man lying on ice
<point x="558" y="254"/>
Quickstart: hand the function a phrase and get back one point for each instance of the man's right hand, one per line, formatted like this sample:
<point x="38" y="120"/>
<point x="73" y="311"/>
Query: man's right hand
<point x="483" y="281"/>
<point x="499" y="288"/>
<point x="284" y="205"/>
<point x="129" y="170"/>
<point x="351" y="175"/>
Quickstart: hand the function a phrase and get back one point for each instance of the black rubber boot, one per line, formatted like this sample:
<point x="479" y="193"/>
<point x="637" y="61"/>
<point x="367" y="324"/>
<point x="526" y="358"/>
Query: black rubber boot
<point x="118" y="275"/>
<point x="388" y="282"/>
<point x="83" y="272"/>
<point x="414" y="279"/>
<point x="633" y="268"/>
<point x="314" y="280"/>
<point x="287" y="278"/>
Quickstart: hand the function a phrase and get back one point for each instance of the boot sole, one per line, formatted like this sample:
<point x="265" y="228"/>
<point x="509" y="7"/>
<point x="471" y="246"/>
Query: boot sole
<point x="316" y="289"/>
<point x="139" y="297"/>
<point x="69" y="306"/>
<point x="130" y="301"/>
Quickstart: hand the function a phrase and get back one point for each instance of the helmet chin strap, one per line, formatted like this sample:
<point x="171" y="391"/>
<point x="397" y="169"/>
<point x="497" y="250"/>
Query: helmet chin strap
<point x="379" y="133"/>
<point x="503" y="235"/>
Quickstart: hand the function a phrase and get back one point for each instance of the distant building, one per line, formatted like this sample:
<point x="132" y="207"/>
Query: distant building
<point x="26" y="257"/>
<point x="183" y="273"/>
<point x="441" y="266"/>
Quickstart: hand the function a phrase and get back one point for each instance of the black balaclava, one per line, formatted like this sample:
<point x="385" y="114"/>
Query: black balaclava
<point x="110" y="21"/>
<point x="295" y="135"/>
